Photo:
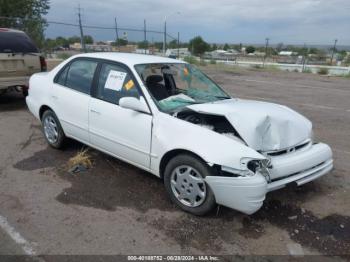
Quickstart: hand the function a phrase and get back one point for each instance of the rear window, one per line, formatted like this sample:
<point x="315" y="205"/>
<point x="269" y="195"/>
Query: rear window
<point x="13" y="42"/>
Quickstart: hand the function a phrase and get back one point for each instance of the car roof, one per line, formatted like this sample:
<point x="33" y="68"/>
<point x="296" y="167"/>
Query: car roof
<point x="10" y="30"/>
<point x="131" y="59"/>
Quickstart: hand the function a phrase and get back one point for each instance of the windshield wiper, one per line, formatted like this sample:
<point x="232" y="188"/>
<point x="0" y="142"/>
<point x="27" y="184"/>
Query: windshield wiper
<point x="223" y="97"/>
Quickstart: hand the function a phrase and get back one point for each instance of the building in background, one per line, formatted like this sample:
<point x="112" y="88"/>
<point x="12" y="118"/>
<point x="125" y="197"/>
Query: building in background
<point x="174" y="52"/>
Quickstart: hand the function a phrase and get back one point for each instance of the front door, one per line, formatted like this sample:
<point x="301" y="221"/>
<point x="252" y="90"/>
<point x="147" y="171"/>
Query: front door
<point x="121" y="132"/>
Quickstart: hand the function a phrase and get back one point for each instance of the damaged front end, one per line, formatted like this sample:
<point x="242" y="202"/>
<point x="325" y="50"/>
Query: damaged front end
<point x="280" y="135"/>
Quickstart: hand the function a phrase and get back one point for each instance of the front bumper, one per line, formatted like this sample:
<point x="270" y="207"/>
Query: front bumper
<point x="300" y="167"/>
<point x="247" y="194"/>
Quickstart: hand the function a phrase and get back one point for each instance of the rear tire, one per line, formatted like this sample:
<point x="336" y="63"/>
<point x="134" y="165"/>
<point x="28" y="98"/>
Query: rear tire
<point x="184" y="182"/>
<point x="52" y="129"/>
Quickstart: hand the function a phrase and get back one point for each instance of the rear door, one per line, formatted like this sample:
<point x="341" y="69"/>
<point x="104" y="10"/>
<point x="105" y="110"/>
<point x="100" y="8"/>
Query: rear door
<point x="121" y="132"/>
<point x="71" y="95"/>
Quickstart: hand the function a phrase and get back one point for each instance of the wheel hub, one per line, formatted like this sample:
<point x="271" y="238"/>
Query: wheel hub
<point x="50" y="129"/>
<point x="188" y="186"/>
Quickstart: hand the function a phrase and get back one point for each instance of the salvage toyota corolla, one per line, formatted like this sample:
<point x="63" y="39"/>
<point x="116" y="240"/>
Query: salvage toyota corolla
<point x="167" y="117"/>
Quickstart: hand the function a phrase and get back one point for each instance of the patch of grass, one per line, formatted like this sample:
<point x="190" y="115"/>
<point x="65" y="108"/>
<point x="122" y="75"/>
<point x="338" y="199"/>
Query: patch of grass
<point x="202" y="63"/>
<point x="63" y="56"/>
<point x="323" y="71"/>
<point x="191" y="60"/>
<point x="226" y="68"/>
<point x="81" y="158"/>
<point x="307" y="71"/>
<point x="212" y="61"/>
<point x="271" y="68"/>
<point x="257" y="66"/>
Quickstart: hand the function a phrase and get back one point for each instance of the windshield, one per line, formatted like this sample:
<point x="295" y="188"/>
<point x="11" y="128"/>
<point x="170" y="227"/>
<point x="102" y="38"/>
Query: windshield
<point x="174" y="86"/>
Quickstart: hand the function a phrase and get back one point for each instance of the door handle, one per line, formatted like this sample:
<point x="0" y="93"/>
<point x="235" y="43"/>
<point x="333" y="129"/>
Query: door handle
<point x="95" y="112"/>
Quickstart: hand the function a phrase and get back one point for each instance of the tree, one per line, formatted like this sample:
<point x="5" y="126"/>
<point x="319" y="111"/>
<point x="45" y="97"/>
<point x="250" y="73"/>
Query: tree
<point x="61" y="41"/>
<point x="74" y="39"/>
<point x="88" y="39"/>
<point x="237" y="47"/>
<point x="250" y="49"/>
<point x="143" y="45"/>
<point x="198" y="46"/>
<point x="172" y="44"/>
<point x="158" y="45"/>
<point x="279" y="47"/>
<point x="26" y="15"/>
<point x="120" y="42"/>
<point x="226" y="47"/>
<point x="50" y="43"/>
<point x="214" y="47"/>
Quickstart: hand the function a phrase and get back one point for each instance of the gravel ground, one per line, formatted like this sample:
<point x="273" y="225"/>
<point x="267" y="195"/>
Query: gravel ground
<point x="115" y="208"/>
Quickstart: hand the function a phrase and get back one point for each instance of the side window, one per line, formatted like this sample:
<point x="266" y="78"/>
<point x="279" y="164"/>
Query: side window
<point x="61" y="79"/>
<point x="114" y="83"/>
<point x="80" y="75"/>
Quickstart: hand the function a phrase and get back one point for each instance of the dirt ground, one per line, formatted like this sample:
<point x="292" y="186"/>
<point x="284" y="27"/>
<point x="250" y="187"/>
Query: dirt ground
<point x="115" y="208"/>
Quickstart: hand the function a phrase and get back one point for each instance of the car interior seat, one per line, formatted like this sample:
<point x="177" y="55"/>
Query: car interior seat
<point x="156" y="88"/>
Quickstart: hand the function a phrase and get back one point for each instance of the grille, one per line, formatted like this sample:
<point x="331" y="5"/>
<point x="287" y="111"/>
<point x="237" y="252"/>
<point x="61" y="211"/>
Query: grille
<point x="288" y="150"/>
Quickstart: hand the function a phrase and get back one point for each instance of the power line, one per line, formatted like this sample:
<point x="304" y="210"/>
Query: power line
<point x="90" y="26"/>
<point x="86" y="26"/>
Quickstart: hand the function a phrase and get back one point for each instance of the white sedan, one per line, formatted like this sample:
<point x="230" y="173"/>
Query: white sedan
<point x="167" y="117"/>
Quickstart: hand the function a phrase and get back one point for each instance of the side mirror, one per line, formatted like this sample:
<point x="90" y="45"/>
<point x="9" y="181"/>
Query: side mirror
<point x="135" y="104"/>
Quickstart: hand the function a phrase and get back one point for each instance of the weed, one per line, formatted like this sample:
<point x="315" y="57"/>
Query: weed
<point x="323" y="71"/>
<point x="81" y="158"/>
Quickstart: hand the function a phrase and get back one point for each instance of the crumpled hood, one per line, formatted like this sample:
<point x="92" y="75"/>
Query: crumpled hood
<point x="263" y="126"/>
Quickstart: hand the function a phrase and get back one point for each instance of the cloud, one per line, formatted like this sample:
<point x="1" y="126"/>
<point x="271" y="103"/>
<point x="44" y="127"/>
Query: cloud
<point x="289" y="21"/>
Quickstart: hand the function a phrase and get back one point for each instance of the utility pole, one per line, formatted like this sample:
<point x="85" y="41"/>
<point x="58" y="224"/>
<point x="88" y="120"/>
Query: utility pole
<point x="333" y="51"/>
<point x="266" y="46"/>
<point x="164" y="39"/>
<point x="178" y="45"/>
<point x="82" y="40"/>
<point x="144" y="31"/>
<point x="116" y="32"/>
<point x="144" y="34"/>
<point x="306" y="51"/>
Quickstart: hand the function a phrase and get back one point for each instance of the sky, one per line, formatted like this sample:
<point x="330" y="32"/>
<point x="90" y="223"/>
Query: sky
<point x="221" y="21"/>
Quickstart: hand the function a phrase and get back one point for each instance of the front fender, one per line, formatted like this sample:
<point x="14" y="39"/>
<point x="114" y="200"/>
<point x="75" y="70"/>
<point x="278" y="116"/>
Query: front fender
<point x="170" y="133"/>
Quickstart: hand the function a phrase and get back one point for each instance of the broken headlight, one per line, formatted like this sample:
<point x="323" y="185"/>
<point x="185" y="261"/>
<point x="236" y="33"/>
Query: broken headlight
<point x="232" y="172"/>
<point x="262" y="166"/>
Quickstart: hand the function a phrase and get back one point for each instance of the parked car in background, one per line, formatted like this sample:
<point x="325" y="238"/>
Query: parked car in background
<point x="19" y="59"/>
<point x="167" y="117"/>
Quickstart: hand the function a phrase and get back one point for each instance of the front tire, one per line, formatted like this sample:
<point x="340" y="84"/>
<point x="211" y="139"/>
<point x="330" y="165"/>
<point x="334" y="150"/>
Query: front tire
<point x="52" y="129"/>
<point x="184" y="182"/>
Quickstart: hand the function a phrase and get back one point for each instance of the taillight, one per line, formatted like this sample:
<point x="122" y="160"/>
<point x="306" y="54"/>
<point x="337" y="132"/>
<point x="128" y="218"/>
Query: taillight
<point x="43" y="64"/>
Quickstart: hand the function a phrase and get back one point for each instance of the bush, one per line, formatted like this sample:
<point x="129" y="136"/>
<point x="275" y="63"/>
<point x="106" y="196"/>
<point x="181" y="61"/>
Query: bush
<point x="212" y="61"/>
<point x="63" y="56"/>
<point x="256" y="66"/>
<point x="191" y="60"/>
<point x="323" y="71"/>
<point x="307" y="71"/>
<point x="202" y="62"/>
